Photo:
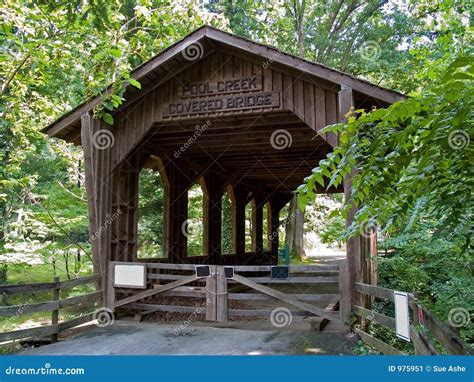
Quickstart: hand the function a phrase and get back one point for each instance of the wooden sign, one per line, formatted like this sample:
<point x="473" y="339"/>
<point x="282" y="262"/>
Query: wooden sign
<point x="219" y="96"/>
<point x="203" y="271"/>
<point x="232" y="85"/>
<point x="402" y="315"/>
<point x="229" y="272"/>
<point x="130" y="276"/>
<point x="280" y="272"/>
<point x="220" y="104"/>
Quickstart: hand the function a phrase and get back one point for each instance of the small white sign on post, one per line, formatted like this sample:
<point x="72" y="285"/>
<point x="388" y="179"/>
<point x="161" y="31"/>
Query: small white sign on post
<point x="130" y="276"/>
<point x="402" y="315"/>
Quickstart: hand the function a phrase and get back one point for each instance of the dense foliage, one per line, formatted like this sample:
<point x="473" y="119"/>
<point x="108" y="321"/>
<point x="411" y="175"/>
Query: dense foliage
<point x="414" y="176"/>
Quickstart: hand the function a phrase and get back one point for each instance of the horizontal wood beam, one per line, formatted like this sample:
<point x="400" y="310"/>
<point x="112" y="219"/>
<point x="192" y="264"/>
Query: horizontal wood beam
<point x="285" y="298"/>
<point x="152" y="292"/>
<point x="378" y="318"/>
<point x="377" y="344"/>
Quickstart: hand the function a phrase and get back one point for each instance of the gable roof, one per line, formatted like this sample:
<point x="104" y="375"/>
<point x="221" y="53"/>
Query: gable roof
<point x="157" y="70"/>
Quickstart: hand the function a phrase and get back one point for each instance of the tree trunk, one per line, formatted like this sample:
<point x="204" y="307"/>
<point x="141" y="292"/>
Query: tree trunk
<point x="294" y="230"/>
<point x="290" y="225"/>
<point x="300" y="28"/>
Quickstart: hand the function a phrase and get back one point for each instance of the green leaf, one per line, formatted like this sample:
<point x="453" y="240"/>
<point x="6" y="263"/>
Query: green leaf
<point x="108" y="118"/>
<point x="115" y="52"/>
<point x="135" y="83"/>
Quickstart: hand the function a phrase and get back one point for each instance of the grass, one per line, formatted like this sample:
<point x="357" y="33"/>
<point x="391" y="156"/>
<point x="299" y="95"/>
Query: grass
<point x="24" y="274"/>
<point x="21" y="274"/>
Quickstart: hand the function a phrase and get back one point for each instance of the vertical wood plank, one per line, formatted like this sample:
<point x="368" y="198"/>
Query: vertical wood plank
<point x="110" y="292"/>
<point x="320" y="108"/>
<point x="55" y="313"/>
<point x="237" y="67"/>
<point x="221" y="295"/>
<point x="309" y="105"/>
<point x="344" y="292"/>
<point x="298" y="99"/>
<point x="331" y="116"/>
<point x="287" y="92"/>
<point x="211" y="301"/>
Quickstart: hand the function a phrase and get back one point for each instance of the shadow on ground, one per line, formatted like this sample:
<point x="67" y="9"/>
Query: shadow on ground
<point x="129" y="338"/>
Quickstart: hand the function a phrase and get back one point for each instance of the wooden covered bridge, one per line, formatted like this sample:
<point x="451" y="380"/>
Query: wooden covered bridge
<point x="232" y="115"/>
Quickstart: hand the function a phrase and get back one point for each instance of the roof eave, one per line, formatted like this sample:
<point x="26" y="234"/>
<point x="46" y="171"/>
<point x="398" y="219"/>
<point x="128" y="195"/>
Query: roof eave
<point x="266" y="52"/>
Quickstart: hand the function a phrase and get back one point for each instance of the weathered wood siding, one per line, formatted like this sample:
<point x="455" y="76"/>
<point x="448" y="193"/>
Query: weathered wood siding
<point x="303" y="96"/>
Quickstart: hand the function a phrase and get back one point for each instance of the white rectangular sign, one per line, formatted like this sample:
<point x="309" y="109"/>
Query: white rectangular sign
<point x="130" y="276"/>
<point x="402" y="315"/>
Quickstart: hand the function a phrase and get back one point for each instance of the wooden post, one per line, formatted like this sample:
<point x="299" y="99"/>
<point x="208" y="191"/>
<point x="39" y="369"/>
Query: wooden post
<point x="55" y="313"/>
<point x="110" y="293"/>
<point x="177" y="211"/>
<point x="211" y="300"/>
<point x="344" y="292"/>
<point x="273" y="234"/>
<point x="257" y="224"/>
<point x="221" y="296"/>
<point x="238" y="222"/>
<point x="213" y="217"/>
<point x="357" y="246"/>
<point x="276" y="204"/>
<point x="89" y="170"/>
<point x="373" y="277"/>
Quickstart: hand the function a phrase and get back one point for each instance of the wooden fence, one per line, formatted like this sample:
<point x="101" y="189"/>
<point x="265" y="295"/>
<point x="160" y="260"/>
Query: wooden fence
<point x="54" y="305"/>
<point x="215" y="292"/>
<point x="424" y="345"/>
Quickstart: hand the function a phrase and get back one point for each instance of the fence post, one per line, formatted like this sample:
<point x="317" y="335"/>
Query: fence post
<point x="109" y="284"/>
<point x="221" y="295"/>
<point x="55" y="313"/>
<point x="344" y="292"/>
<point x="211" y="297"/>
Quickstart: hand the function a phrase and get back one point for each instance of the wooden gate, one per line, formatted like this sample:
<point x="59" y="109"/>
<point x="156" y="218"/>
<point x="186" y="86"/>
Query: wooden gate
<point x="221" y="294"/>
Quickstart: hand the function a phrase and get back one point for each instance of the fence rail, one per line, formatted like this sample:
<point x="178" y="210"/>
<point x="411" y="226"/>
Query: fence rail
<point x="53" y="306"/>
<point x="260" y="258"/>
<point x="168" y="280"/>
<point x="446" y="336"/>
